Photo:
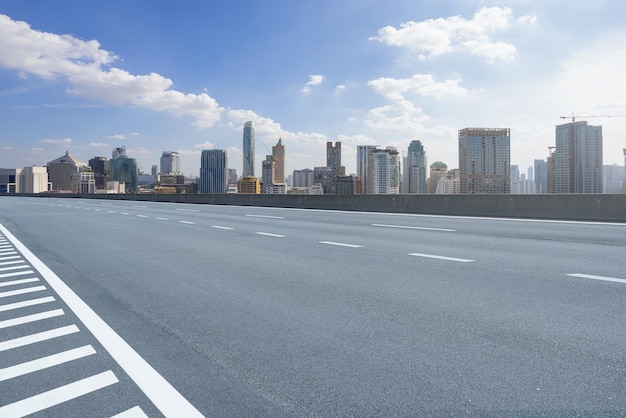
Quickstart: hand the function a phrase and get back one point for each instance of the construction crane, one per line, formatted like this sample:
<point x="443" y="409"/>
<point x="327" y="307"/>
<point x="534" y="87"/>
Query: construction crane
<point x="591" y="116"/>
<point x="274" y="158"/>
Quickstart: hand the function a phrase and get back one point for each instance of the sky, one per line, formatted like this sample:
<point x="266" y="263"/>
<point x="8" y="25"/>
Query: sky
<point x="154" y="76"/>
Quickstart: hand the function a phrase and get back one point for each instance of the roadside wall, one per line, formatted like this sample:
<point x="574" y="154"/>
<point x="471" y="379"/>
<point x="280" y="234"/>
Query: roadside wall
<point x="592" y="207"/>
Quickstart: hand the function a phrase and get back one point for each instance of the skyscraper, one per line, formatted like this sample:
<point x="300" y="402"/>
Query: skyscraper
<point x="362" y="153"/>
<point x="415" y="169"/>
<point x="484" y="160"/>
<point x="541" y="176"/>
<point x="248" y="149"/>
<point x="278" y="152"/>
<point x="101" y="168"/>
<point x="125" y="170"/>
<point x="438" y="170"/>
<point x="213" y="171"/>
<point x="170" y="163"/>
<point x="578" y="158"/>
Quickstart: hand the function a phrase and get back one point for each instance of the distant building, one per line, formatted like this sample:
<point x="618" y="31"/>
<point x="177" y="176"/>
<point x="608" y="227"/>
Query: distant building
<point x="383" y="171"/>
<point x="101" y="168"/>
<point x="9" y="179"/>
<point x="125" y="170"/>
<point x="33" y="180"/>
<point x="613" y="178"/>
<point x="214" y="171"/>
<point x="170" y="163"/>
<point x="362" y="155"/>
<point x="232" y="176"/>
<point x="268" y="172"/>
<point x="249" y="185"/>
<point x="438" y="170"/>
<point x="324" y="177"/>
<point x="115" y="187"/>
<point x="578" y="158"/>
<point x="118" y="152"/>
<point x="415" y="169"/>
<point x="60" y="171"/>
<point x="484" y="160"/>
<point x="248" y="149"/>
<point x="449" y="184"/>
<point x="84" y="182"/>
<point x="302" y="178"/>
<point x="541" y="176"/>
<point x="346" y="184"/>
<point x="278" y="152"/>
<point x="276" y="188"/>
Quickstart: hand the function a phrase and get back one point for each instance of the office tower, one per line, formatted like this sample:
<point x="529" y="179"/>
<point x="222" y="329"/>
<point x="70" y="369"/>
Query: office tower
<point x="394" y="170"/>
<point x="531" y="173"/>
<point x="60" y="171"/>
<point x="124" y="170"/>
<point x="378" y="172"/>
<point x="303" y="178"/>
<point x="345" y="184"/>
<point x="84" y="181"/>
<point x="362" y="153"/>
<point x="232" y="176"/>
<point x="438" y="170"/>
<point x="578" y="158"/>
<point x="514" y="172"/>
<point x="170" y="163"/>
<point x="541" y="176"/>
<point x="613" y="178"/>
<point x="415" y="169"/>
<point x="213" y="171"/>
<point x="248" y="149"/>
<point x="118" y="152"/>
<point x="484" y="160"/>
<point x="101" y="168"/>
<point x="278" y="152"/>
<point x="268" y="172"/>
<point x="324" y="177"/>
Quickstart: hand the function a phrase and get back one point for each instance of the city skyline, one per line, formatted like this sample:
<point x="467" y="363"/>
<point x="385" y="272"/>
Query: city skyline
<point x="411" y="71"/>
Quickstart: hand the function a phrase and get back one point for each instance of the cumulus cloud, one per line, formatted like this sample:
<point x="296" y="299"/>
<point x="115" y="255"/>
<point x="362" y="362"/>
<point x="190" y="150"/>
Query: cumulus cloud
<point x="435" y="37"/>
<point x="422" y="84"/>
<point x="64" y="141"/>
<point x="116" y="136"/>
<point x="6" y="148"/>
<point x="402" y="116"/>
<point x="314" y="80"/>
<point x="99" y="145"/>
<point x="205" y="145"/>
<point x="88" y="69"/>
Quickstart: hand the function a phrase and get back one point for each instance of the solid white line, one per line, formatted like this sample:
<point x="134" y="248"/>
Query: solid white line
<point x="6" y="263"/>
<point x="59" y="395"/>
<point x="187" y="222"/>
<point x="22" y="291"/>
<point x="25" y="266"/>
<point x="415" y="227"/>
<point x="31" y="318"/>
<point x="20" y="281"/>
<point x="341" y="244"/>
<point x="592" y="277"/>
<point x="162" y="394"/>
<point x="163" y="219"/>
<point x="7" y="252"/>
<point x="45" y="362"/>
<point x="265" y="216"/>
<point x="16" y="273"/>
<point x="38" y="337"/>
<point x="135" y="412"/>
<point x="440" y="257"/>
<point x="142" y="207"/>
<point x="26" y="303"/>
<point x="10" y="258"/>
<point x="189" y="210"/>
<point x="267" y="234"/>
<point x="222" y="227"/>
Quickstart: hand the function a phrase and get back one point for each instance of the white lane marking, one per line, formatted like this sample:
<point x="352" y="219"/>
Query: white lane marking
<point x="20" y="281"/>
<point x="45" y="362"/>
<point x="187" y="222"/>
<point x="124" y="213"/>
<point x="142" y="216"/>
<point x="26" y="303"/>
<point x="31" y="318"/>
<point x="5" y="252"/>
<point x="22" y="291"/>
<point x="162" y="394"/>
<point x="3" y="247"/>
<point x="267" y="234"/>
<point x="6" y="263"/>
<point x="98" y="210"/>
<point x="25" y="266"/>
<point x="265" y="216"/>
<point x="13" y="257"/>
<point x="163" y="219"/>
<point x="38" y="337"/>
<point x="189" y="210"/>
<point x="59" y="395"/>
<point x="341" y="244"/>
<point x="135" y="412"/>
<point x="228" y="228"/>
<point x="142" y="207"/>
<point x="16" y="273"/>
<point x="441" y="257"/>
<point x="422" y="228"/>
<point x="592" y="277"/>
<point x="111" y="211"/>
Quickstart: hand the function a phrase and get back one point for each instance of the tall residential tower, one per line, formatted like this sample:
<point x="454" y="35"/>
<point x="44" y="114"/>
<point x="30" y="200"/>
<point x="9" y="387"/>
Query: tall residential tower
<point x="485" y="160"/>
<point x="248" y="149"/>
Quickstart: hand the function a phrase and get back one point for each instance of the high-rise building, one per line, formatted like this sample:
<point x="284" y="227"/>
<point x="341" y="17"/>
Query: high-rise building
<point x="438" y="170"/>
<point x="268" y="173"/>
<point x="248" y="149"/>
<point x="333" y="160"/>
<point x="303" y="178"/>
<point x="213" y="171"/>
<point x="362" y="153"/>
<point x="170" y="163"/>
<point x="60" y="171"/>
<point x="101" y="168"/>
<point x="485" y="160"/>
<point x="378" y="172"/>
<point x="541" y="176"/>
<point x="578" y="158"/>
<point x="514" y="173"/>
<point x="415" y="169"/>
<point x="278" y="152"/>
<point x="124" y="170"/>
<point x="118" y="152"/>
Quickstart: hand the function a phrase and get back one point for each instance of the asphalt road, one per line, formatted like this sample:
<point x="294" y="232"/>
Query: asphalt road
<point x="249" y="311"/>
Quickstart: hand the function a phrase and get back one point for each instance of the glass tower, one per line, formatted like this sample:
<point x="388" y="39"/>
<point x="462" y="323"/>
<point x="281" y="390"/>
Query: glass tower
<point x="248" y="149"/>
<point x="214" y="171"/>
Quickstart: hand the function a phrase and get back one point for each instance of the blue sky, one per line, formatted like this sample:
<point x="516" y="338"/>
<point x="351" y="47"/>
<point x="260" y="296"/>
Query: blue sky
<point x="185" y="76"/>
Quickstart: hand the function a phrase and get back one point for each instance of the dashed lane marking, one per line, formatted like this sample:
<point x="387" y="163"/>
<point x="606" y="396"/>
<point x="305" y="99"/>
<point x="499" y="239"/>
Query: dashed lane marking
<point x="187" y="222"/>
<point x="441" y="257"/>
<point x="265" y="216"/>
<point x="601" y="278"/>
<point x="267" y="234"/>
<point x="228" y="228"/>
<point x="422" y="228"/>
<point x="341" y="244"/>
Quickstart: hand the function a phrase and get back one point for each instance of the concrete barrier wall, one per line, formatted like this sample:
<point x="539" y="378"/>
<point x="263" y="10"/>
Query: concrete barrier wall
<point x="592" y="207"/>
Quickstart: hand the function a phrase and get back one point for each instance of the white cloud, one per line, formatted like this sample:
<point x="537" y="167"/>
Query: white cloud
<point x="340" y="87"/>
<point x="7" y="148"/>
<point x="422" y="84"/>
<point x="64" y="141"/>
<point x="435" y="37"/>
<point x="134" y="134"/>
<point x="188" y="152"/>
<point x="400" y="117"/>
<point x="85" y="65"/>
<point x="116" y="136"/>
<point x="314" y="80"/>
<point x="205" y="145"/>
<point x="99" y="145"/>
<point x="37" y="150"/>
